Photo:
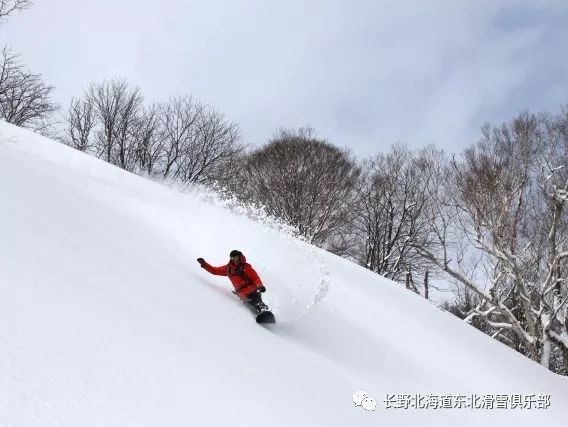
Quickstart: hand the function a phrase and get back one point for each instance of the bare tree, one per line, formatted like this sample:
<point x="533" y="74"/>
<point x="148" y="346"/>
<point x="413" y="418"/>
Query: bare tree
<point x="149" y="146"/>
<point x="302" y="179"/>
<point x="219" y="144"/>
<point x="118" y="108"/>
<point x="197" y="141"/>
<point x="179" y="118"/>
<point x="81" y="121"/>
<point x="110" y="122"/>
<point x="389" y="213"/>
<point x="553" y="290"/>
<point x="7" y="7"/>
<point x="25" y="99"/>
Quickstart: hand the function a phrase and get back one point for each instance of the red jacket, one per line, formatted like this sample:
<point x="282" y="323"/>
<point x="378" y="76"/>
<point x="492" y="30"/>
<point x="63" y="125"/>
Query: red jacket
<point x="243" y="277"/>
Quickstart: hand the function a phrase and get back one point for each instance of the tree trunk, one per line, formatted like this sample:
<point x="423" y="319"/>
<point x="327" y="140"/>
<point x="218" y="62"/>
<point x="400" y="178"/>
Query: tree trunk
<point x="546" y="349"/>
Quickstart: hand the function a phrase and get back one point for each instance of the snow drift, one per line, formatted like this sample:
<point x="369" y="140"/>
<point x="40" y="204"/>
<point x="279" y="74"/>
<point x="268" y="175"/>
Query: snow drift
<point x="106" y="319"/>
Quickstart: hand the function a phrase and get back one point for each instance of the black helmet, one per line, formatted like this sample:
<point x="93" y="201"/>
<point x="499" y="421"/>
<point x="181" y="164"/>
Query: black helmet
<point x="235" y="253"/>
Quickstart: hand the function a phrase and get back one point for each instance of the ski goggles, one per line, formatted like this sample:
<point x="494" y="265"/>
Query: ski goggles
<point x="236" y="258"/>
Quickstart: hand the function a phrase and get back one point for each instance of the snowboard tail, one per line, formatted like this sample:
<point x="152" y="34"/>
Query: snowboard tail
<point x="265" y="316"/>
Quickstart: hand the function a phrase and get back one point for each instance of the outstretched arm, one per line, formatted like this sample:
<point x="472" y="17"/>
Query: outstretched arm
<point x="217" y="271"/>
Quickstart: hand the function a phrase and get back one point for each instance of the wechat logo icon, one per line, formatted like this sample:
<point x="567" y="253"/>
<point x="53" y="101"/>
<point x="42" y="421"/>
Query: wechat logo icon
<point x="361" y="398"/>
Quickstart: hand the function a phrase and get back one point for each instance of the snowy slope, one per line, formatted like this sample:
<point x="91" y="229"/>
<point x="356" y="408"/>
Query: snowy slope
<point x="107" y="320"/>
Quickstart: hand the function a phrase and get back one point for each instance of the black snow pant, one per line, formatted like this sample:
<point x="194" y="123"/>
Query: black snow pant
<point x="255" y="299"/>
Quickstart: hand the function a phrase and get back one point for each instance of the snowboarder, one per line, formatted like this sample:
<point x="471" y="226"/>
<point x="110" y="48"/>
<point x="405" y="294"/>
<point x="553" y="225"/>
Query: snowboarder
<point x="245" y="280"/>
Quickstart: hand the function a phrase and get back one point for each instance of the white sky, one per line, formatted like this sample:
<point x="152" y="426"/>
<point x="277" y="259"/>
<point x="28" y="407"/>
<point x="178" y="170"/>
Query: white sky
<point x="363" y="73"/>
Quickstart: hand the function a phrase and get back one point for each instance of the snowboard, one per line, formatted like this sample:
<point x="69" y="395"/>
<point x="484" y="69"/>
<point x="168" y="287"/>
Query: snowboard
<point x="265" y="316"/>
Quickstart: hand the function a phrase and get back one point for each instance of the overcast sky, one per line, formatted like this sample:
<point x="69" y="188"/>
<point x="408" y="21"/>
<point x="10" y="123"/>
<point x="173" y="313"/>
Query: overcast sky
<point x="364" y="74"/>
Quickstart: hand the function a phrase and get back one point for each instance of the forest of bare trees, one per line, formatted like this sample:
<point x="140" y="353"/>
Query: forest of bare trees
<point x="181" y="138"/>
<point x="504" y="202"/>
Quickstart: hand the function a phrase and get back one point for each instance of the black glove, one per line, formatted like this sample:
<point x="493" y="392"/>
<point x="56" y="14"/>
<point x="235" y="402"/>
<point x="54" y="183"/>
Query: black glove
<point x="262" y="289"/>
<point x="201" y="261"/>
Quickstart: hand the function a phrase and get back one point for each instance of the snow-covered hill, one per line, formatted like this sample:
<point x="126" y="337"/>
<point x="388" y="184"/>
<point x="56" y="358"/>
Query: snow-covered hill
<point x="106" y="319"/>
